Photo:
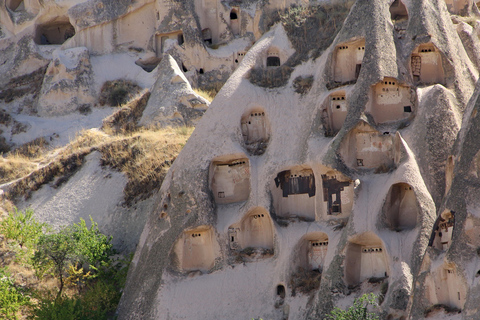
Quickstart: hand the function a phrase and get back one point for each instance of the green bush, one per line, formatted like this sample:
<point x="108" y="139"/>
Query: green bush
<point x="63" y="308"/>
<point x="11" y="298"/>
<point x="100" y="300"/>
<point x="359" y="310"/>
<point x="92" y="246"/>
<point x="62" y="255"/>
<point x="55" y="252"/>
<point x="22" y="228"/>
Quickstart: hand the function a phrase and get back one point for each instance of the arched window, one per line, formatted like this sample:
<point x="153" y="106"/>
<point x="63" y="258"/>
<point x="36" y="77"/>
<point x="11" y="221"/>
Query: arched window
<point x="273" y="61"/>
<point x="365" y="259"/>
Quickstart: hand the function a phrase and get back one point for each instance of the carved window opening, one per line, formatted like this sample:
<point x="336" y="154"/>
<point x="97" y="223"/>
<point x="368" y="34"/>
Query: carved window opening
<point x="54" y="32"/>
<point x="365" y="147"/>
<point x="255" y="130"/>
<point x="427" y="65"/>
<point x="332" y="193"/>
<point x="446" y="286"/>
<point x="294" y="193"/>
<point x="207" y="36"/>
<point x="365" y="259"/>
<point x="165" y="41"/>
<point x="398" y="11"/>
<point x="197" y="249"/>
<point x="281" y="291"/>
<point x="334" y="112"/>
<point x="311" y="252"/>
<point x="401" y="208"/>
<point x="273" y="61"/>
<point x="255" y="230"/>
<point x="441" y="237"/>
<point x="391" y="101"/>
<point x="234" y="22"/>
<point x="348" y="59"/>
<point x="230" y="180"/>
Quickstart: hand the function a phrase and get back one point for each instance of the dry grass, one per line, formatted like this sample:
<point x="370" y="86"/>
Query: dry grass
<point x="14" y="167"/>
<point x="143" y="156"/>
<point x="117" y="92"/>
<point x="126" y="119"/>
<point x="207" y="94"/>
<point x="22" y="160"/>
<point x="305" y="281"/>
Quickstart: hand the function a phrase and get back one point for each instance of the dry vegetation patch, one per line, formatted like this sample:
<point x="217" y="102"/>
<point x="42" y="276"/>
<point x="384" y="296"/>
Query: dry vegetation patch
<point x="207" y="94"/>
<point x="305" y="281"/>
<point x="143" y="156"/>
<point x="117" y="92"/>
<point x="126" y="119"/>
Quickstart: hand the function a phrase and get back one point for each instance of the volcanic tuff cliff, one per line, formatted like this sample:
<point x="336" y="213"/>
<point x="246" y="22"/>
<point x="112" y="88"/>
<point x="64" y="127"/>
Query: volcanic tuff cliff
<point x="340" y="157"/>
<point x="316" y="190"/>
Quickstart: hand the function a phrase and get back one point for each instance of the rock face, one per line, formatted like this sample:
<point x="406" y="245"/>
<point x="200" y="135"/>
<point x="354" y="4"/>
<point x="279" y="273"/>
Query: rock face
<point x="81" y="41"/>
<point x="362" y="181"/>
<point x="173" y="102"/>
<point x="68" y="84"/>
<point x="93" y="191"/>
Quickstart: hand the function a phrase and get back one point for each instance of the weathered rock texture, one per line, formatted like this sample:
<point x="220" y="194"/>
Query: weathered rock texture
<point x="172" y="101"/>
<point x="81" y="41"/>
<point x="68" y="84"/>
<point x="287" y="202"/>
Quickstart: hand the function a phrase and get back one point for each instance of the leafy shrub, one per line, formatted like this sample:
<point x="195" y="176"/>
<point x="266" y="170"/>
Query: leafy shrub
<point x="97" y="303"/>
<point x="359" y="310"/>
<point x="92" y="246"/>
<point x="55" y="252"/>
<point x="24" y="230"/>
<point x="62" y="255"/>
<point x="72" y="246"/>
<point x="100" y="300"/>
<point x="11" y="298"/>
<point x="63" y="308"/>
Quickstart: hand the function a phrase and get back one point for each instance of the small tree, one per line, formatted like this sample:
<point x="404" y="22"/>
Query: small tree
<point x="55" y="252"/>
<point x="359" y="310"/>
<point x="62" y="254"/>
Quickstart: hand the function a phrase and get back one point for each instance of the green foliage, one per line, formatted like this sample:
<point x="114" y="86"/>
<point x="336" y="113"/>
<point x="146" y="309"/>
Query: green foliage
<point x="63" y="308"/>
<point x="92" y="246"/>
<point x="359" y="310"/>
<point x="22" y="228"/>
<point x="96" y="303"/>
<point x="100" y="300"/>
<point x="63" y="254"/>
<point x="55" y="252"/>
<point x="11" y="298"/>
<point x="72" y="246"/>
